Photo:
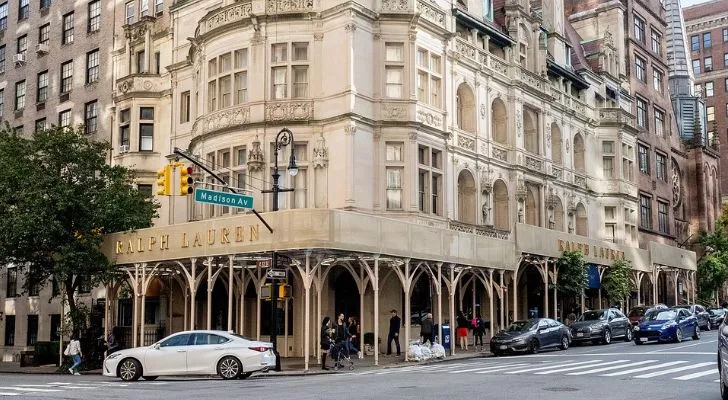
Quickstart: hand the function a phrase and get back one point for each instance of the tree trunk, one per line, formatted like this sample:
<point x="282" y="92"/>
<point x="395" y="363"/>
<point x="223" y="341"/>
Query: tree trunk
<point x="72" y="308"/>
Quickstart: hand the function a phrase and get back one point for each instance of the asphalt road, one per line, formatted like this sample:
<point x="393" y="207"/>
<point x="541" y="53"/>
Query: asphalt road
<point x="620" y="370"/>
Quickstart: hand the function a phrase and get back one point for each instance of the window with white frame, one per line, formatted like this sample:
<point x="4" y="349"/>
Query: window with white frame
<point x="143" y="8"/>
<point x="19" y="95"/>
<point x="429" y="78"/>
<point x="657" y="79"/>
<point x="627" y="162"/>
<point x="146" y="128"/>
<point x="394" y="173"/>
<point x="92" y="66"/>
<point x="130" y="13"/>
<point x="608" y="159"/>
<point x="710" y="113"/>
<point x="91" y="117"/>
<point x="125" y="127"/>
<point x="644" y="158"/>
<point x="639" y="28"/>
<point x="289" y="70"/>
<point x="639" y="68"/>
<point x="696" y="67"/>
<point x="158" y="7"/>
<point x="394" y="70"/>
<point x="42" y="87"/>
<point x="94" y="16"/>
<point x="3" y="16"/>
<point x="656" y="42"/>
<point x="610" y="224"/>
<point x="659" y="122"/>
<point x="227" y="80"/>
<point x="64" y="118"/>
<point x="708" y="64"/>
<point x="429" y="180"/>
<point x="661" y="166"/>
<point x="299" y="183"/>
<point x="67" y="24"/>
<point x="184" y="114"/>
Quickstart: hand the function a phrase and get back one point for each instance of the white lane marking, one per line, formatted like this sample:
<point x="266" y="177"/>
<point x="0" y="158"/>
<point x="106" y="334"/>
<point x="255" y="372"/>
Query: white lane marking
<point x="462" y="371"/>
<point x="629" y="371"/>
<point x="9" y="394"/>
<point x="713" y="371"/>
<point x="593" y="371"/>
<point x="499" y="369"/>
<point x="541" y="368"/>
<point x="716" y="381"/>
<point x="554" y="371"/>
<point x="58" y="383"/>
<point x="682" y="347"/>
<point x="28" y="389"/>
<point x="673" y="370"/>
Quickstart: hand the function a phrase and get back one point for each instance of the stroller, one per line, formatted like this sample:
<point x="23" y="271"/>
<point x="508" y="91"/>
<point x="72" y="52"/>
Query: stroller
<point x="339" y="352"/>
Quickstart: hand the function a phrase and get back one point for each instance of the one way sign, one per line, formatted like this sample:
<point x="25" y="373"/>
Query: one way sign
<point x="276" y="274"/>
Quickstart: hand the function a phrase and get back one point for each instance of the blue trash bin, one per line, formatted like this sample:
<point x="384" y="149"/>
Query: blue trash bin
<point x="446" y="339"/>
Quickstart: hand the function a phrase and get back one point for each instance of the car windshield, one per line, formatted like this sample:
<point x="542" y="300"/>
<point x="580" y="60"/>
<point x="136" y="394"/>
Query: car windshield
<point x="637" y="312"/>
<point x="661" y="315"/>
<point x="717" y="311"/>
<point x="522" y="326"/>
<point x="592" y="316"/>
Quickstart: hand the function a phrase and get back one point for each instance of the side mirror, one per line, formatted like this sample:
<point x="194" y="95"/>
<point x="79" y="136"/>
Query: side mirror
<point x="155" y="346"/>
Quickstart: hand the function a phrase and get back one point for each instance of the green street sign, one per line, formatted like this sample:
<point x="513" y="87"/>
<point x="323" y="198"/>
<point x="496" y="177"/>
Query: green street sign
<point x="223" y="199"/>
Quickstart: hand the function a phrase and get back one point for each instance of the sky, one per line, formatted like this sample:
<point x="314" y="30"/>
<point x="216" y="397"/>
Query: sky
<point x="686" y="3"/>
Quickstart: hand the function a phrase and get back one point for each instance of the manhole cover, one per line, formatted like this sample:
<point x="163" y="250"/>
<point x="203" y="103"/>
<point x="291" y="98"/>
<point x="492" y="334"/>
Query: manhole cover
<point x="561" y="389"/>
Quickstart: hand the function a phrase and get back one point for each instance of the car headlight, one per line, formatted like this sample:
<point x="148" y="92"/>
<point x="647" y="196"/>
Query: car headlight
<point x="636" y="328"/>
<point x="519" y="341"/>
<point x="668" y="325"/>
<point x="113" y="356"/>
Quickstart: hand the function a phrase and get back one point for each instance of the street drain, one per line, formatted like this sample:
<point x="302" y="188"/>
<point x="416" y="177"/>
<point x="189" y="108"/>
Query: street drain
<point x="561" y="389"/>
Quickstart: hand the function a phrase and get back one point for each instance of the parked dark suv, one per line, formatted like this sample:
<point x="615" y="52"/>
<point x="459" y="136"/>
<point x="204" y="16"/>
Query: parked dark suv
<point x="723" y="359"/>
<point x="700" y="313"/>
<point x="600" y="326"/>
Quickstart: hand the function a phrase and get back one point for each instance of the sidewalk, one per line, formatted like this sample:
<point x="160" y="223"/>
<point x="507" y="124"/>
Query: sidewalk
<point x="289" y="366"/>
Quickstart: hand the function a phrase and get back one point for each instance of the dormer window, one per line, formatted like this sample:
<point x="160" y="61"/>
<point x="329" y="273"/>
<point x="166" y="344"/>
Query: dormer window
<point x="569" y="52"/>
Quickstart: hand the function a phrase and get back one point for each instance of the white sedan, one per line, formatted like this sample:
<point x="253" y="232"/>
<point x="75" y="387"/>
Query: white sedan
<point x="193" y="353"/>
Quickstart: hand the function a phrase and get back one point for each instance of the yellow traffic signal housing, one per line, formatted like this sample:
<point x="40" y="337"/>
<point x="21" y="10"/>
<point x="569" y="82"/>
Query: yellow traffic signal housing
<point x="164" y="181"/>
<point x="284" y="291"/>
<point x="186" y="181"/>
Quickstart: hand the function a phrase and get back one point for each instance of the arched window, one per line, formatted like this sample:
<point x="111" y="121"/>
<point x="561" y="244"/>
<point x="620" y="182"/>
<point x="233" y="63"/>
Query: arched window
<point x="498" y="122"/>
<point x="579" y="165"/>
<point x="556" y="151"/>
<point x="533" y="209"/>
<point x="466" y="197"/>
<point x="530" y="131"/>
<point x="501" y="206"/>
<point x="557" y="219"/>
<point x="465" y="104"/>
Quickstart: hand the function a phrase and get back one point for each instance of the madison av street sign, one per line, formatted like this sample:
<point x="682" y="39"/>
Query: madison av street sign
<point x="223" y="199"/>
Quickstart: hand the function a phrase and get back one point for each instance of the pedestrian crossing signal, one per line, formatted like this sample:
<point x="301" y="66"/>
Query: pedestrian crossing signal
<point x="186" y="181"/>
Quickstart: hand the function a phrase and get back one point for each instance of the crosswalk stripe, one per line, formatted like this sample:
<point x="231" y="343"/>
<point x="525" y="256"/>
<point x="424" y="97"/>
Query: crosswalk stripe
<point x="553" y="366"/>
<point x="677" y="369"/>
<point x="28" y="389"/>
<point x="462" y="371"/>
<point x="593" y="371"/>
<point x="630" y="371"/>
<point x="698" y="375"/>
<point x="500" y="369"/>
<point x="554" y="371"/>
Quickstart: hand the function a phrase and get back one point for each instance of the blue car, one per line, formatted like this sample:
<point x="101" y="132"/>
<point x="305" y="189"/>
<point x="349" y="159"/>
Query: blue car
<point x="671" y="325"/>
<point x="723" y="358"/>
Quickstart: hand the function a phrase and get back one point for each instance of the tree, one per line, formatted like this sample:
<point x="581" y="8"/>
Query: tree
<point x="572" y="278"/>
<point x="712" y="269"/>
<point x="616" y="282"/>
<point x="59" y="198"/>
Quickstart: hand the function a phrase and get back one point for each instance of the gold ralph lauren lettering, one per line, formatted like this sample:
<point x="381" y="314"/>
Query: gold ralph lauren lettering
<point x="224" y="236"/>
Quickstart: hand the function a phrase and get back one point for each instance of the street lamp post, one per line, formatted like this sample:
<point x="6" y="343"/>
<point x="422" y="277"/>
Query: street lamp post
<point x="283" y="139"/>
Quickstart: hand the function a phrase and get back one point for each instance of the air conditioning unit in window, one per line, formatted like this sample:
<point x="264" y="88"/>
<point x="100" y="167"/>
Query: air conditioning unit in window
<point x="19" y="58"/>
<point x="124" y="148"/>
<point x="41" y="48"/>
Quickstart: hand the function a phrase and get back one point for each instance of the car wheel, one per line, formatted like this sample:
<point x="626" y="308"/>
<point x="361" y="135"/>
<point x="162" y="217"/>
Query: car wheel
<point x="130" y="370"/>
<point x="628" y="335"/>
<point x="533" y="346"/>
<point x="723" y="387"/>
<point x="678" y="335"/>
<point x="245" y="375"/>
<point x="150" y="378"/>
<point x="696" y="334"/>
<point x="607" y="336"/>
<point x="229" y="367"/>
<point x="564" y="342"/>
<point x="707" y="326"/>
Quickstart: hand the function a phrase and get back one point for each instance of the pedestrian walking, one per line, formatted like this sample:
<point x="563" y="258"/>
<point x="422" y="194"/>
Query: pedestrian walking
<point x="394" y="324"/>
<point x="74" y="350"/>
<point x="325" y="341"/>
<point x="426" y="329"/>
<point x="462" y="331"/>
<point x="478" y="331"/>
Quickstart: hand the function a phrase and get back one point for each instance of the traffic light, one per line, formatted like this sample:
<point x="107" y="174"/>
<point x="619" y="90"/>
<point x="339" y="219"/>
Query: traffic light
<point x="164" y="181"/>
<point x="186" y="182"/>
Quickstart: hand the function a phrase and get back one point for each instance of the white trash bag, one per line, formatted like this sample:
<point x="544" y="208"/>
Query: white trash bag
<point x="426" y="353"/>
<point x="438" y="351"/>
<point x="414" y="352"/>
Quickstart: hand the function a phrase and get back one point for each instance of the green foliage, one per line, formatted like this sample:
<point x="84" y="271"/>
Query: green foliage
<point x="616" y="281"/>
<point x="59" y="198"/>
<point x="712" y="269"/>
<point x="572" y="278"/>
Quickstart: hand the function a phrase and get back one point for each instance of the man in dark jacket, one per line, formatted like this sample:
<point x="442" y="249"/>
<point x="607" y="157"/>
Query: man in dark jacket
<point x="394" y="323"/>
<point x="426" y="329"/>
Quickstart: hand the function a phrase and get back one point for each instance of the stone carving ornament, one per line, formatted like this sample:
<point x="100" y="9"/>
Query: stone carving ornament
<point x="676" y="184"/>
<point x="320" y="153"/>
<point x="519" y="122"/>
<point x="256" y="160"/>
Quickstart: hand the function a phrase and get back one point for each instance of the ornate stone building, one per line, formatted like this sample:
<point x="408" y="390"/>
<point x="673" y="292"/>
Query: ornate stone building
<point x="447" y="154"/>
